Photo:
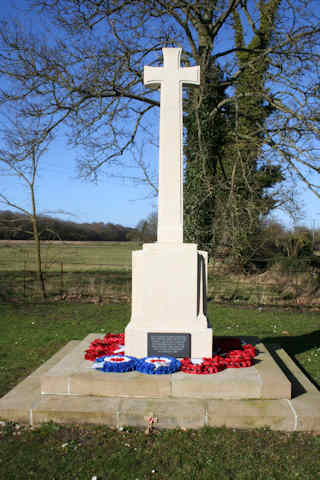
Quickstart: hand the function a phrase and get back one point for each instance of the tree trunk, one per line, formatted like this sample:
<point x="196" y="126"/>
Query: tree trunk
<point x="37" y="246"/>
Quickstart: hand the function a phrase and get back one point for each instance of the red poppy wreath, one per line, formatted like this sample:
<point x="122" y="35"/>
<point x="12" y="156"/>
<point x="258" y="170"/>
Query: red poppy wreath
<point x="108" y="355"/>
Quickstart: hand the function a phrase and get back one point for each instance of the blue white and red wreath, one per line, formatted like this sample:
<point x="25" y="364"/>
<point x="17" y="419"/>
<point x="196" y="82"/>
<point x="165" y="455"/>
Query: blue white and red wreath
<point x="157" y="365"/>
<point x="115" y="363"/>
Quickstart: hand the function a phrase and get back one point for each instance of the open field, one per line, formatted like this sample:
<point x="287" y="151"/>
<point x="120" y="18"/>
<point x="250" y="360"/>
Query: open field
<point x="74" y="256"/>
<point x="30" y="334"/>
<point x="100" y="272"/>
<point x="74" y="271"/>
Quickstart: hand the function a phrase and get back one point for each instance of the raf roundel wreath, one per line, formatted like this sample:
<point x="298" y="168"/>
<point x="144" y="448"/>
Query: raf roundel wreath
<point x="157" y="365"/>
<point x="108" y="355"/>
<point x="115" y="363"/>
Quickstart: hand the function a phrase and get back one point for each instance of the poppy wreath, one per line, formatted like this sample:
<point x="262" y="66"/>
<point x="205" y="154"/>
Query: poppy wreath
<point x="110" y="345"/>
<point x="115" y="363"/>
<point x="157" y="365"/>
<point x="232" y="353"/>
<point x="202" y="366"/>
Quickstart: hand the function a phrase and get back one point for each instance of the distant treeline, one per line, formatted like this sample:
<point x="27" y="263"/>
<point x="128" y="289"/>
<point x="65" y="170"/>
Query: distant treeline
<point x="16" y="226"/>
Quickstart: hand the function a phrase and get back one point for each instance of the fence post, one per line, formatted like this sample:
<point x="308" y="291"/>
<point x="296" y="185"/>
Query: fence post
<point x="61" y="279"/>
<point x="24" y="278"/>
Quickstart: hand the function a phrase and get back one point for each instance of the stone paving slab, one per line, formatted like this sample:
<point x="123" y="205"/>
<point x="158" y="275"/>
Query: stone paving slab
<point x="26" y="404"/>
<point x="171" y="413"/>
<point x="305" y="404"/>
<point x="131" y="384"/>
<point x="275" y="414"/>
<point x="230" y="383"/>
<point x="18" y="404"/>
<point x="74" y="376"/>
<point x="56" y="379"/>
<point x="60" y="409"/>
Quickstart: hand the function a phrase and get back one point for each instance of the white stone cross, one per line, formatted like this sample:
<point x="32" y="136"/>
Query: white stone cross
<point x="170" y="77"/>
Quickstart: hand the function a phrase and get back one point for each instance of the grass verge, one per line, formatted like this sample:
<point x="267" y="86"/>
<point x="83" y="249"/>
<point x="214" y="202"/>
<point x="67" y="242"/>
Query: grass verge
<point x="85" y="452"/>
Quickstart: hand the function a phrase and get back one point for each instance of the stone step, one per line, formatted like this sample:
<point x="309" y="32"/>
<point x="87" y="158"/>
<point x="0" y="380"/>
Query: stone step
<point x="26" y="404"/>
<point x="74" y="376"/>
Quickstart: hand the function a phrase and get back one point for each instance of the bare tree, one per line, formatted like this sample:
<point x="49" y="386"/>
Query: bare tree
<point x="260" y="55"/>
<point x="23" y="146"/>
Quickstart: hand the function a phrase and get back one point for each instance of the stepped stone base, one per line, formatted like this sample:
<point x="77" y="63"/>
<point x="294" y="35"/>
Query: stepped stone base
<point x="74" y="376"/>
<point x="273" y="393"/>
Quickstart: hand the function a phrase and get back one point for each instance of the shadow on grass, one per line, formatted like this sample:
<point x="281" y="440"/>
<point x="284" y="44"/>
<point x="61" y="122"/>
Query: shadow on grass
<point x="295" y="345"/>
<point x="298" y="344"/>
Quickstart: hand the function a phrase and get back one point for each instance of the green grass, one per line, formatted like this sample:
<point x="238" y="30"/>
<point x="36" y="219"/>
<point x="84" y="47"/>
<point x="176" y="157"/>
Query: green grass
<point x="80" y="453"/>
<point x="30" y="334"/>
<point x="75" y="256"/>
<point x="297" y="332"/>
<point x="96" y="271"/>
<point x="109" y="286"/>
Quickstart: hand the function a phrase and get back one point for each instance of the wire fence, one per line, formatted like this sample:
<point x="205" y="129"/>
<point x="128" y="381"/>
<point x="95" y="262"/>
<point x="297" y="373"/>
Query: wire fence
<point x="277" y="285"/>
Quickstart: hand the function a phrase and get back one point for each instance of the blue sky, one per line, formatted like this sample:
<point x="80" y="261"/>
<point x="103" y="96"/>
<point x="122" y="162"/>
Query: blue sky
<point x="59" y="188"/>
<point x="111" y="200"/>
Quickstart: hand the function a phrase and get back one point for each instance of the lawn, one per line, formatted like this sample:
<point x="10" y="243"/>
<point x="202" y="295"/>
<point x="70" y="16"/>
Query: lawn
<point x="86" y="452"/>
<point x="30" y="334"/>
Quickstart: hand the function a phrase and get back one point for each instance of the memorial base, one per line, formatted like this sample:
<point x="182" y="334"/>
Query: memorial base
<point x="273" y="393"/>
<point x="169" y="284"/>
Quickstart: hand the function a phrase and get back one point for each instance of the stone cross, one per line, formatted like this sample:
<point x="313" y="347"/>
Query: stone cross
<point x="170" y="77"/>
<point x="169" y="277"/>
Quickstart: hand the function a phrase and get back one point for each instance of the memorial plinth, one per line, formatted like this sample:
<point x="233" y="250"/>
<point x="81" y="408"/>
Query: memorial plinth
<point x="66" y="389"/>
<point x="169" y="295"/>
<point x="74" y="376"/>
